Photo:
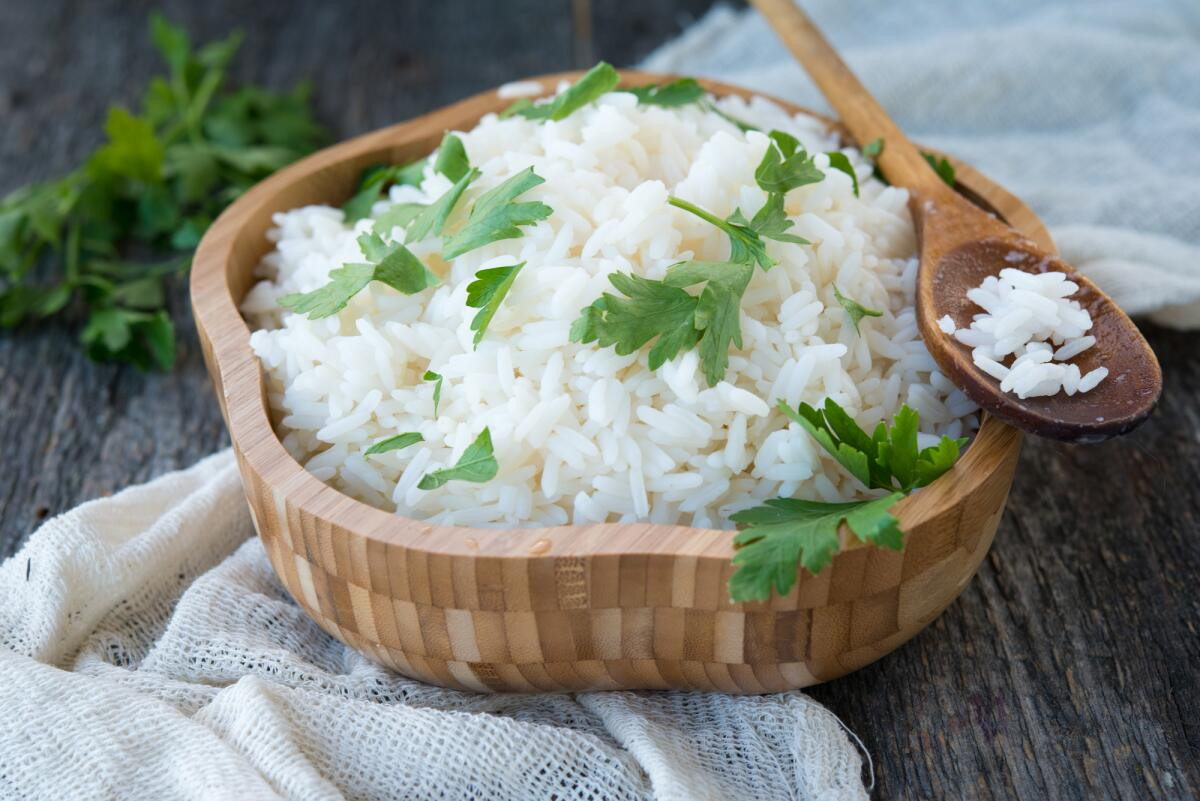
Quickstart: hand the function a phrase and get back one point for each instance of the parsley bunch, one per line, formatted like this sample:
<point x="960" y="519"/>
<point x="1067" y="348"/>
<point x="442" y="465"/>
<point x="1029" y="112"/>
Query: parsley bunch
<point x="110" y="233"/>
<point x="785" y="534"/>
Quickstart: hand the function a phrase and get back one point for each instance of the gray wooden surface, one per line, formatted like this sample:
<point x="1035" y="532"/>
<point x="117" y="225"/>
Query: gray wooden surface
<point x="1068" y="669"/>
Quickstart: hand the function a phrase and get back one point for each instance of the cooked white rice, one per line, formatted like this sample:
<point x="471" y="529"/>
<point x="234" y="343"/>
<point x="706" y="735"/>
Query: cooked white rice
<point x="1030" y="318"/>
<point x="582" y="434"/>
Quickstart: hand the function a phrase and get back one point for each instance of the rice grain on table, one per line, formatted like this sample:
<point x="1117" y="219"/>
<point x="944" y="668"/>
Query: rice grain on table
<point x="580" y="433"/>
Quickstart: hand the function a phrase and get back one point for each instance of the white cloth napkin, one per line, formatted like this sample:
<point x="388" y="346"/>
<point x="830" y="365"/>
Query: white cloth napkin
<point x="1088" y="110"/>
<point x="149" y="651"/>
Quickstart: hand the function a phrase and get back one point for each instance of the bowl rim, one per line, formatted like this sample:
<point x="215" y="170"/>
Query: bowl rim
<point x="241" y="387"/>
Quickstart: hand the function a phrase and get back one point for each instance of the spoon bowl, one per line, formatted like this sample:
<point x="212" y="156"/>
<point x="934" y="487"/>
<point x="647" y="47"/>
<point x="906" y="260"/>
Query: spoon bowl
<point x="1115" y="406"/>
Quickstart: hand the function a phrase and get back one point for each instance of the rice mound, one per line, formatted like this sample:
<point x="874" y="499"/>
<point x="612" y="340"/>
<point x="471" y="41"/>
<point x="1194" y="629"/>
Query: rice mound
<point x="582" y="434"/>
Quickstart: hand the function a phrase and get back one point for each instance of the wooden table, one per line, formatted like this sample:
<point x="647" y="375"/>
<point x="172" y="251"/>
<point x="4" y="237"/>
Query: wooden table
<point x="1069" y="667"/>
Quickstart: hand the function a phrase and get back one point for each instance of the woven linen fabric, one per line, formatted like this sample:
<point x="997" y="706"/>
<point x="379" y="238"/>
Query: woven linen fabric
<point x="1088" y="110"/>
<point x="148" y="651"/>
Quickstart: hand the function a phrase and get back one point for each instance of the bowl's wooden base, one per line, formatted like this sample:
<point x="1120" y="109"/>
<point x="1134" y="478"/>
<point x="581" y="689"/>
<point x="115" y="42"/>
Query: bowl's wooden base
<point x="639" y="621"/>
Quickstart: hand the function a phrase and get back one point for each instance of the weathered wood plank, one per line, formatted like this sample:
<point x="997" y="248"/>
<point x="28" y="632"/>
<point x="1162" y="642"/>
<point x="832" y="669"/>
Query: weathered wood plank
<point x="1067" y="668"/>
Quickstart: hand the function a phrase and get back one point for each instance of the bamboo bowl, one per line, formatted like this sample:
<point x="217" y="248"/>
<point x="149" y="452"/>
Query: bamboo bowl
<point x="611" y="606"/>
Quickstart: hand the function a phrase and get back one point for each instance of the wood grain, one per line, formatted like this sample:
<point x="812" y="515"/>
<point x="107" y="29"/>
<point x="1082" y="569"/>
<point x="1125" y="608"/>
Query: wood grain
<point x="678" y="628"/>
<point x="1066" y="670"/>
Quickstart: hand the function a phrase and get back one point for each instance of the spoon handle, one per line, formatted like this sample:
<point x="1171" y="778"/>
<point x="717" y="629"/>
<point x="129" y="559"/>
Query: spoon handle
<point x="860" y="113"/>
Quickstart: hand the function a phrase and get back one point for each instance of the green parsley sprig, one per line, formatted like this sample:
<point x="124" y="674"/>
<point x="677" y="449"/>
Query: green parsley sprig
<point x="106" y="237"/>
<point x="495" y="215"/>
<point x="675" y="320"/>
<point x="855" y="310"/>
<point x="487" y="292"/>
<point x="785" y="534"/>
<point x="599" y="80"/>
<point x="389" y="263"/>
<point x="477" y="464"/>
<point x="943" y="168"/>
<point x="395" y="443"/>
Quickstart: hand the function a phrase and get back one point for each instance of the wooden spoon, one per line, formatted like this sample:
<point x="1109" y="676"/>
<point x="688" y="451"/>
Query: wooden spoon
<point x="960" y="245"/>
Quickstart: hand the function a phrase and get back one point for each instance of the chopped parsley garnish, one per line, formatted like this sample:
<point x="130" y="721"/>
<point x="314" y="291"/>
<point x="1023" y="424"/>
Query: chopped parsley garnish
<point x="786" y="165"/>
<point x="397" y="215"/>
<point x="854" y="309"/>
<point x="487" y="292"/>
<point x="785" y="534"/>
<point x="888" y="459"/>
<point x="661" y="311"/>
<point x="477" y="464"/>
<point x="392" y="264"/>
<point x="452" y="158"/>
<point x="107" y="237"/>
<point x="770" y="221"/>
<point x="745" y="243"/>
<point x="674" y="320"/>
<point x="496" y="215"/>
<point x="377" y="178"/>
<point x="394" y="443"/>
<point x="437" y="388"/>
<point x="942" y="167"/>
<point x="840" y="161"/>
<point x="646" y="310"/>
<point x="872" y="151"/>
<point x="430" y="220"/>
<point x="599" y="80"/>
<point x="718" y="309"/>
<point x="679" y="92"/>
<point x="422" y="220"/>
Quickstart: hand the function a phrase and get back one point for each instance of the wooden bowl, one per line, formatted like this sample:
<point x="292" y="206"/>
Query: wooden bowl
<point x="610" y="606"/>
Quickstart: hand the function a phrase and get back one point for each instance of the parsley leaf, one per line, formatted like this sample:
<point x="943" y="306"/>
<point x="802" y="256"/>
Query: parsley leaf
<point x="431" y="219"/>
<point x="770" y="221"/>
<point x="419" y="220"/>
<point x="840" y="161"/>
<point x="745" y="244"/>
<point x="437" y="388"/>
<point x="887" y="459"/>
<point x="477" y="464"/>
<point x="398" y="215"/>
<point x="679" y="92"/>
<point x="395" y="443"/>
<point x="599" y="80"/>
<point x="854" y="309"/>
<point x="496" y="216"/>
<point x="452" y="158"/>
<point x="787" y="533"/>
<point x="377" y="178"/>
<point x="677" y="320"/>
<point x="392" y="264"/>
<point x="785" y="165"/>
<point x="718" y="309"/>
<point x="487" y="292"/>
<point x="873" y="148"/>
<point x="942" y="167"/>
<point x="649" y="310"/>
